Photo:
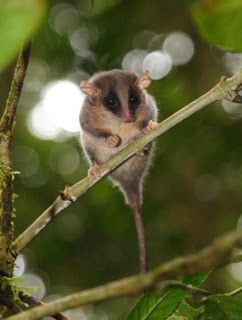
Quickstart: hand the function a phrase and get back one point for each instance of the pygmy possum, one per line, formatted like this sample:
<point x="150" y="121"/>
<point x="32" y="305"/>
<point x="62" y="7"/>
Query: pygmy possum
<point x="116" y="111"/>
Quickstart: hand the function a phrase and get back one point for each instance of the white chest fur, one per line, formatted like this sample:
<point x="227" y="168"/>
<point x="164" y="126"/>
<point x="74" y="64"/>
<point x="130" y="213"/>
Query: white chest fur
<point x="126" y="131"/>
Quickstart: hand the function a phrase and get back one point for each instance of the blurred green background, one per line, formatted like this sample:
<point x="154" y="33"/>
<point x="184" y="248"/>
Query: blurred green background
<point x="193" y="191"/>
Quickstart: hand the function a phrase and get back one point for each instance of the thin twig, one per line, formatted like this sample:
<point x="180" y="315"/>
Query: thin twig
<point x="215" y="255"/>
<point x="6" y="173"/>
<point x="188" y="287"/>
<point x="228" y="294"/>
<point x="234" y="292"/>
<point x="225" y="89"/>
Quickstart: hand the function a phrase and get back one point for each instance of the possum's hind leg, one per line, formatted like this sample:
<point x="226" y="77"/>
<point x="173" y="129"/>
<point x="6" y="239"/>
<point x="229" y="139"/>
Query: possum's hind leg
<point x="94" y="170"/>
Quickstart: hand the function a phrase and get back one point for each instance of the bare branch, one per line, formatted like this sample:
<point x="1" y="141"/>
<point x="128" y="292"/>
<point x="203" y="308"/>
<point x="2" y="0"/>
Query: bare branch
<point x="216" y="255"/>
<point x="225" y="89"/>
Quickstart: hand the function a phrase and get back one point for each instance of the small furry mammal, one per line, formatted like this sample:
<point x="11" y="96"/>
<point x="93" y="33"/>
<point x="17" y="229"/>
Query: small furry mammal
<point x="116" y="110"/>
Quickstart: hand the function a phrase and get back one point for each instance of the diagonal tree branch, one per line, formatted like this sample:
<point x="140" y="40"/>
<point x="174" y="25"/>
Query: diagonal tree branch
<point x="225" y="89"/>
<point x="218" y="254"/>
<point x="6" y="174"/>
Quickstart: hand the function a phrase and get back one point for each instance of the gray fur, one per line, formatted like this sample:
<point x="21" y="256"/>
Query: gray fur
<point x="100" y="121"/>
<point x="97" y="123"/>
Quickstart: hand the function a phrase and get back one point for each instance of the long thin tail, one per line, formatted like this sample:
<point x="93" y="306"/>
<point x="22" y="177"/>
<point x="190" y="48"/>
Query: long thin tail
<point x="134" y="201"/>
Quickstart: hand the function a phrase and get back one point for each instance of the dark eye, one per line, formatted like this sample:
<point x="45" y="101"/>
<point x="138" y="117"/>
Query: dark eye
<point x="110" y="100"/>
<point x="134" y="99"/>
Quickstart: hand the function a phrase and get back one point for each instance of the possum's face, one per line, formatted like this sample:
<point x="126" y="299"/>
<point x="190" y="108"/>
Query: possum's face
<point x="122" y="98"/>
<point x="120" y="92"/>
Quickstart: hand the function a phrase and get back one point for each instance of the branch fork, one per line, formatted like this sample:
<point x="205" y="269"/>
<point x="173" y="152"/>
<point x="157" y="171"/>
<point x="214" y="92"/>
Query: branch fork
<point x="230" y="93"/>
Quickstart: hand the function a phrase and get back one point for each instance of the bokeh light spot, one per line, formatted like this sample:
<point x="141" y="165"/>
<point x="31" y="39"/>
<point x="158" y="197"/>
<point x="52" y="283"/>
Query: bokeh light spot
<point x="232" y="108"/>
<point x="180" y="47"/>
<point x="143" y="38"/>
<point x="64" y="159"/>
<point x="235" y="270"/>
<point x="36" y="75"/>
<point x="41" y="124"/>
<point x="63" y="18"/>
<point x="58" y="110"/>
<point x="133" y="61"/>
<point x="79" y="39"/>
<point x="158" y="64"/>
<point x="26" y="160"/>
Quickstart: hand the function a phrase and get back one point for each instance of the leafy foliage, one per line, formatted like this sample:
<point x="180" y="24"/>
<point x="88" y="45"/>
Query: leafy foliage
<point x="222" y="307"/>
<point x="153" y="306"/>
<point x="171" y="305"/>
<point x="186" y="311"/>
<point x="19" y="20"/>
<point x="220" y="22"/>
<point x="160" y="306"/>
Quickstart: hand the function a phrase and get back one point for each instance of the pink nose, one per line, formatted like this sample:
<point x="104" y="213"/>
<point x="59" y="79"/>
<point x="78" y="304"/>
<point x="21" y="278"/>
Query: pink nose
<point x="128" y="118"/>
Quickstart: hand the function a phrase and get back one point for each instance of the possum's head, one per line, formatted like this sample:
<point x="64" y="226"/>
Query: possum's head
<point x="120" y="92"/>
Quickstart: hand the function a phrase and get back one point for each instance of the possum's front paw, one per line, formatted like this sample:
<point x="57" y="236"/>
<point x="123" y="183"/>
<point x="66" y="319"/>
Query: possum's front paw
<point x="151" y="125"/>
<point x="113" y="141"/>
<point x="94" y="171"/>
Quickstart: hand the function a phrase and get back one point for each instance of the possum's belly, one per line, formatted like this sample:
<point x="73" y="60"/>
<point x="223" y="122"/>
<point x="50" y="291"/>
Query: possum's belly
<point x="98" y="148"/>
<point x="131" y="170"/>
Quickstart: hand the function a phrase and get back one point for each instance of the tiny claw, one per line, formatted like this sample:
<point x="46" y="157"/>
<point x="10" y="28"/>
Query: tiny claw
<point x="113" y="140"/>
<point x="142" y="152"/>
<point x="94" y="171"/>
<point x="151" y="125"/>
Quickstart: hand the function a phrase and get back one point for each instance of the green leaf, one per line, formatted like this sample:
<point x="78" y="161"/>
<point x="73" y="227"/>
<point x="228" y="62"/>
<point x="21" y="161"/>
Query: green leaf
<point x="196" y="279"/>
<point x="221" y="307"/>
<point x="153" y="306"/>
<point x="19" y="20"/>
<point x="219" y="22"/>
<point x="187" y="311"/>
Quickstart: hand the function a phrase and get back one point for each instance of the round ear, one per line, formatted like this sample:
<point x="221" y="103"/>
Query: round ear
<point x="90" y="89"/>
<point x="143" y="81"/>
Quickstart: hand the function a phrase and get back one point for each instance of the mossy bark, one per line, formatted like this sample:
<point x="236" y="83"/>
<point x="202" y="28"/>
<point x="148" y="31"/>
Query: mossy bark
<point x="6" y="174"/>
<point x="6" y="207"/>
